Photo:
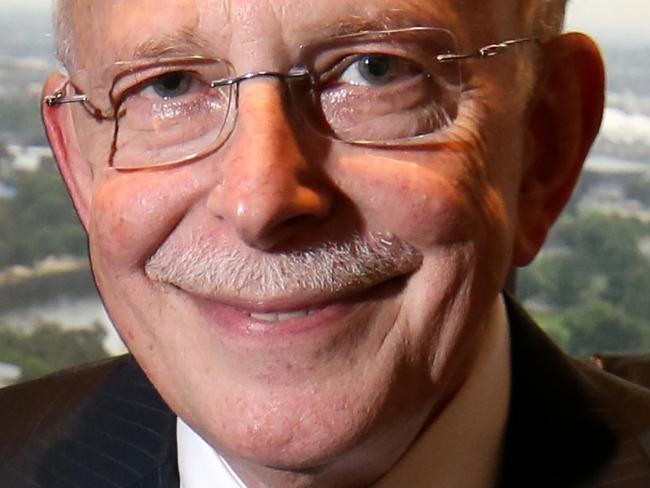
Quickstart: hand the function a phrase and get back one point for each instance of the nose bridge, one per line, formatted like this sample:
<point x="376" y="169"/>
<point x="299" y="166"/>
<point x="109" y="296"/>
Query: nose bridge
<point x="266" y="180"/>
<point x="265" y="129"/>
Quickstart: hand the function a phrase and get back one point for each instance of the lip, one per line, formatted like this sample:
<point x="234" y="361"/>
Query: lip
<point x="240" y="318"/>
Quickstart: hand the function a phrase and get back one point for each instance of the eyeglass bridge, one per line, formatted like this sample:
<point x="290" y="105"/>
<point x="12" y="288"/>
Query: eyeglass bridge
<point x="298" y="72"/>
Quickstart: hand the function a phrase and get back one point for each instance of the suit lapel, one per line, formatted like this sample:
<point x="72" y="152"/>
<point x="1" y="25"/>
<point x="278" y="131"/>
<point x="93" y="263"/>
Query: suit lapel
<point x="553" y="437"/>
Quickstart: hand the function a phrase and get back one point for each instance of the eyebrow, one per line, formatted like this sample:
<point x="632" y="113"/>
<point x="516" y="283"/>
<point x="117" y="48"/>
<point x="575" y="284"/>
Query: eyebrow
<point x="384" y="20"/>
<point x="179" y="43"/>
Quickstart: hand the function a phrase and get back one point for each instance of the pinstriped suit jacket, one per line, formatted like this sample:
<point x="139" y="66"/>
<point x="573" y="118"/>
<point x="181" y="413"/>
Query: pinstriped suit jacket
<point x="104" y="426"/>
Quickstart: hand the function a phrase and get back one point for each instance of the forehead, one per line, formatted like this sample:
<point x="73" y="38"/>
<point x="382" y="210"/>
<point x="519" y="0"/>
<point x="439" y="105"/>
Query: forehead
<point x="110" y="30"/>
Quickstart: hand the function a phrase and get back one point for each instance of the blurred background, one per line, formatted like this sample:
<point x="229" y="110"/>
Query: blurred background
<point x="590" y="287"/>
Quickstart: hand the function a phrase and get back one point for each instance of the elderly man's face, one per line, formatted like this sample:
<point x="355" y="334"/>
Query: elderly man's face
<point x="299" y="301"/>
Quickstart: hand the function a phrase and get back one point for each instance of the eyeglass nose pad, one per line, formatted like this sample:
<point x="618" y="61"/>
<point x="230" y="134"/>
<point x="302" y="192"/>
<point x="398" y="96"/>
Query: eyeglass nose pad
<point x="234" y="97"/>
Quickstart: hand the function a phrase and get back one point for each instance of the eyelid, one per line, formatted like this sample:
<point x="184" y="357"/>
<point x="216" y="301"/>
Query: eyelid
<point x="337" y="71"/>
<point x="149" y="76"/>
<point x="333" y="59"/>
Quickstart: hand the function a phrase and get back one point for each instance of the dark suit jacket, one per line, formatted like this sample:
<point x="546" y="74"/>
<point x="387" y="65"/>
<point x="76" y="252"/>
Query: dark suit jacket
<point x="104" y="425"/>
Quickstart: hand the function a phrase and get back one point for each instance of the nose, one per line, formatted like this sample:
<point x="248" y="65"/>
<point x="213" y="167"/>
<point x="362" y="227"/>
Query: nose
<point x="268" y="192"/>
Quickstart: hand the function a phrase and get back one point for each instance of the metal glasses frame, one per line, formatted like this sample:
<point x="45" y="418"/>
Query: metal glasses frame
<point x="59" y="97"/>
<point x="489" y="50"/>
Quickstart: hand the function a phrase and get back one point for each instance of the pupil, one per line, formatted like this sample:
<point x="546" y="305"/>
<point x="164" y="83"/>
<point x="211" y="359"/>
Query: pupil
<point x="171" y="84"/>
<point x="373" y="68"/>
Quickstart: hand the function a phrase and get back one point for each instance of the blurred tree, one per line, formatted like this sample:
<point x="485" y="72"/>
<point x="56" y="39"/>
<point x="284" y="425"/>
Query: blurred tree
<point x="49" y="347"/>
<point x="592" y="285"/>
<point x="637" y="189"/>
<point x="595" y="256"/>
<point x="605" y="246"/>
<point x="4" y="153"/>
<point x="21" y="115"/>
<point x="600" y="327"/>
<point x="39" y="221"/>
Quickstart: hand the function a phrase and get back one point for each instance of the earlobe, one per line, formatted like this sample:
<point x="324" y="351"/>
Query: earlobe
<point x="564" y="117"/>
<point x="74" y="168"/>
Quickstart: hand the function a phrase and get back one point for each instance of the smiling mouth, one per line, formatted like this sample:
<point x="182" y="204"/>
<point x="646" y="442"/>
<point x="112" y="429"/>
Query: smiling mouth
<point x="236" y="284"/>
<point x="287" y="316"/>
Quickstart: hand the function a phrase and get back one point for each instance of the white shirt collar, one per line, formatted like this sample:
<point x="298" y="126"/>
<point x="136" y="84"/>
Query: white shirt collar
<point x="199" y="465"/>
<point x="460" y="449"/>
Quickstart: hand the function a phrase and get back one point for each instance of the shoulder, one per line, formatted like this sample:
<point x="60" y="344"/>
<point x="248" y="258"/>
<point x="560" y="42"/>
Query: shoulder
<point x="586" y="423"/>
<point x="28" y="409"/>
<point x="78" y="378"/>
<point x="101" y="424"/>
<point x="625" y="408"/>
<point x="624" y="404"/>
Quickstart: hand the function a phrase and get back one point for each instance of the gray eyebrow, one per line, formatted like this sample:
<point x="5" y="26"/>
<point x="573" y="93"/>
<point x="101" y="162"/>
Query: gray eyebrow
<point x="183" y="42"/>
<point x="384" y="20"/>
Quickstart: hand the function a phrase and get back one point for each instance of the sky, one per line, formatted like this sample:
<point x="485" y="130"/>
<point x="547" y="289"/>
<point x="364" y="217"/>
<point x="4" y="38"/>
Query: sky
<point x="621" y="21"/>
<point x="607" y="20"/>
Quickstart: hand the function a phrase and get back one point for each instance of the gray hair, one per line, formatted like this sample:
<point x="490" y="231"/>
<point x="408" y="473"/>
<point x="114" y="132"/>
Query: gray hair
<point x="547" y="20"/>
<point x="63" y="34"/>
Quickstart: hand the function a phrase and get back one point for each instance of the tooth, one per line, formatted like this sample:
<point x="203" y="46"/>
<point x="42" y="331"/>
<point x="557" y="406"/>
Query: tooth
<point x="265" y="317"/>
<point x="277" y="317"/>
<point x="292" y="315"/>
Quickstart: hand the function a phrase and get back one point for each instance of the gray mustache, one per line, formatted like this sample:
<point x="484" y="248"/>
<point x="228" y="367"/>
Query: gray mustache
<point x="209" y="268"/>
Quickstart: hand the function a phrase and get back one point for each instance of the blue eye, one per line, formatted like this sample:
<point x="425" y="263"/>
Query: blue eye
<point x="171" y="85"/>
<point x="376" y="70"/>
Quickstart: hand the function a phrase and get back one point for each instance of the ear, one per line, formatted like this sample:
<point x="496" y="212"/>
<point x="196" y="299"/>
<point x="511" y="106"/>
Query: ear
<point x="563" y="120"/>
<point x="74" y="168"/>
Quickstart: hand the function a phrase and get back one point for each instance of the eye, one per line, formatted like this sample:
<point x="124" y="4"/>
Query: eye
<point x="169" y="85"/>
<point x="377" y="70"/>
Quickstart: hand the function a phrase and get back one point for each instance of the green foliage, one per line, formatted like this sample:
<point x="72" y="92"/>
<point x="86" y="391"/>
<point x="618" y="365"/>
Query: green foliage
<point x="558" y="279"/>
<point x="595" y="282"/>
<point x="50" y="347"/>
<point x="39" y="221"/>
<point x="602" y="327"/>
<point x="22" y="115"/>
<point x="637" y="189"/>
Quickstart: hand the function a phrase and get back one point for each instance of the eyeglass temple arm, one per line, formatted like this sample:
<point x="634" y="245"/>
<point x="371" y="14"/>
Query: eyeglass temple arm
<point x="59" y="97"/>
<point x="485" y="51"/>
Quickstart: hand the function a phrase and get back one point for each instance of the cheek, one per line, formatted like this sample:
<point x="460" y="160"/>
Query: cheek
<point x="414" y="201"/>
<point x="131" y="214"/>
